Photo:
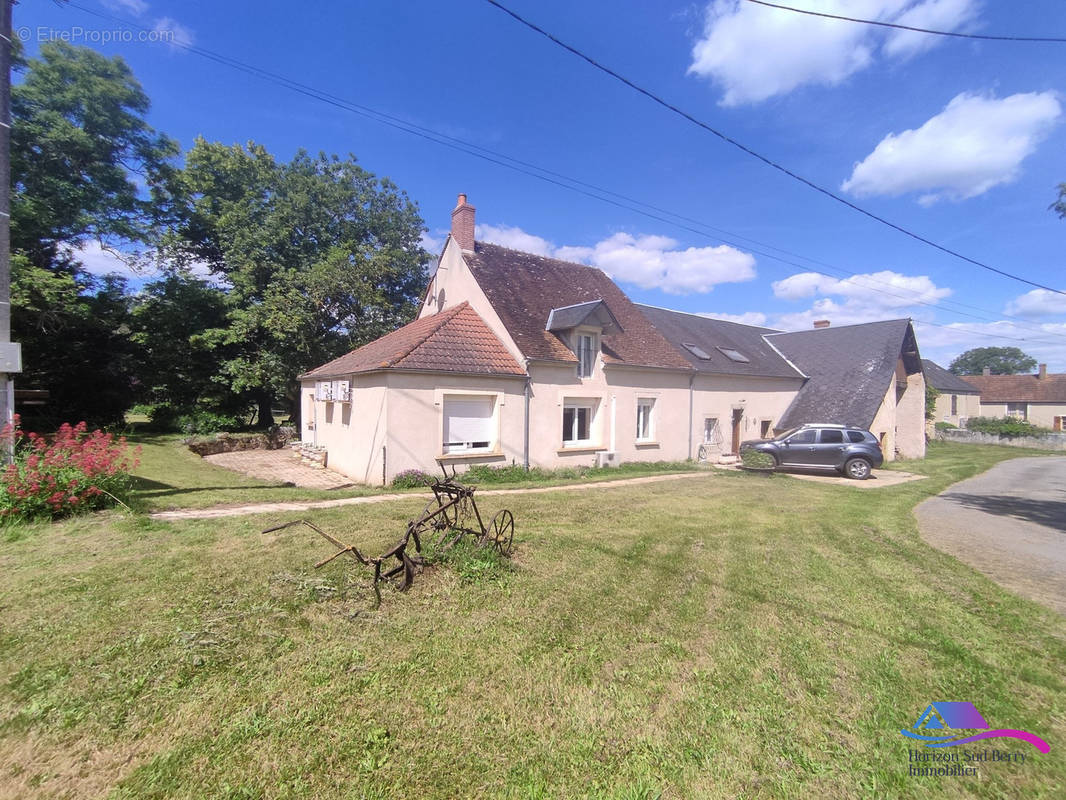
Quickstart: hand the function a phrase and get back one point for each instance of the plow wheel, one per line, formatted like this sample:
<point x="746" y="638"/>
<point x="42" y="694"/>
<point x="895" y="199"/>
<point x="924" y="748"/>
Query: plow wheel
<point x="501" y="532"/>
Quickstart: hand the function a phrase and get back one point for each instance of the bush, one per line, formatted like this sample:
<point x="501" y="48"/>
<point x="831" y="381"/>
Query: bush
<point x="201" y="421"/>
<point x="1004" y="426"/>
<point x="141" y="409"/>
<point x="412" y="479"/>
<point x="945" y="426"/>
<point x="73" y="472"/>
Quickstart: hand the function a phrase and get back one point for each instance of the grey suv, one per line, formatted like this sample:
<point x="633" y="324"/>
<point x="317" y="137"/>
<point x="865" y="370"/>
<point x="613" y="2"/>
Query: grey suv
<point x="852" y="451"/>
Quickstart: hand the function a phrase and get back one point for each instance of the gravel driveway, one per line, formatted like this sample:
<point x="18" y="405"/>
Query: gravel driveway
<point x="1009" y="523"/>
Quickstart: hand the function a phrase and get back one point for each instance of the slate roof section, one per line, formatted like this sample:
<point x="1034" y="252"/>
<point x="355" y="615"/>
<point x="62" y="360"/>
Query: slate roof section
<point x="944" y="381"/>
<point x="1020" y="388"/>
<point x="850" y="369"/>
<point x="712" y="334"/>
<point x="524" y="288"/>
<point x="563" y="319"/>
<point x="455" y="340"/>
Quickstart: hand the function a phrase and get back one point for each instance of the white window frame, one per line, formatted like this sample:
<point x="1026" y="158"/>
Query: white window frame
<point x="589" y="405"/>
<point x="1020" y="411"/>
<point x="645" y="419"/>
<point x="472" y="447"/>
<point x="586" y="356"/>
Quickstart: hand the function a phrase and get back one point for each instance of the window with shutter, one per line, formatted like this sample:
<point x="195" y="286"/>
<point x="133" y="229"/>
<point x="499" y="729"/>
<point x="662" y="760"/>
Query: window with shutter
<point x="469" y="423"/>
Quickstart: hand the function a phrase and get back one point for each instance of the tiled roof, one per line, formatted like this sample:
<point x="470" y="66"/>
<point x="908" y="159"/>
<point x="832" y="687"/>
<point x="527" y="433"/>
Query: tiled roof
<point x="524" y="288"/>
<point x="944" y="381"/>
<point x="455" y="340"/>
<point x="711" y="334"/>
<point x="1020" y="388"/>
<point x="850" y="369"/>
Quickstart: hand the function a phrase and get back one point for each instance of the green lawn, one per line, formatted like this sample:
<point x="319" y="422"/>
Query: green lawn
<point x="172" y="476"/>
<point x="728" y="635"/>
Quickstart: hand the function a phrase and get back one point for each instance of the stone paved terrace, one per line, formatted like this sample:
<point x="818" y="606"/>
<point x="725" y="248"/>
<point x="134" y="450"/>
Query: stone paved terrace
<point x="279" y="466"/>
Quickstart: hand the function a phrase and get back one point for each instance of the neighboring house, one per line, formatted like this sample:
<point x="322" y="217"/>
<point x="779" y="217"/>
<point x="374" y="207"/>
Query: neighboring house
<point x="957" y="401"/>
<point x="520" y="358"/>
<point x="1039" y="399"/>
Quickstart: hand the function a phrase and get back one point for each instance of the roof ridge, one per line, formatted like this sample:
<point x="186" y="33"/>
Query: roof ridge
<point x="706" y="317"/>
<point x="448" y="315"/>
<point x="841" y="327"/>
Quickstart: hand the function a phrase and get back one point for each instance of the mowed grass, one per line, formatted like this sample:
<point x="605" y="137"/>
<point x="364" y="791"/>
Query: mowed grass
<point x="172" y="476"/>
<point x="728" y="635"/>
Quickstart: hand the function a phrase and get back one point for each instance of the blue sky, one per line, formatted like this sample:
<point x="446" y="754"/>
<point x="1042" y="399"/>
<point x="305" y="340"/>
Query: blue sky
<point x="958" y="140"/>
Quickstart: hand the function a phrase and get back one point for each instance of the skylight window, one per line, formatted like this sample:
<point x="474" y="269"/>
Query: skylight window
<point x="696" y="350"/>
<point x="735" y="355"/>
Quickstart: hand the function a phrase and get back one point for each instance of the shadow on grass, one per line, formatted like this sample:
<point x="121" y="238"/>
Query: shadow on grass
<point x="1050" y="513"/>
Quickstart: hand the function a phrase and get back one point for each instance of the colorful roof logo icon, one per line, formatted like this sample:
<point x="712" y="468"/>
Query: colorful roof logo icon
<point x="955" y="718"/>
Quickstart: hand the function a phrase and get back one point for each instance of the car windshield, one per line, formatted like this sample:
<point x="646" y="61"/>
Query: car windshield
<point x="785" y="434"/>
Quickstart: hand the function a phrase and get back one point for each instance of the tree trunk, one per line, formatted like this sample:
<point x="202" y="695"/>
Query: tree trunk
<point x="265" y="417"/>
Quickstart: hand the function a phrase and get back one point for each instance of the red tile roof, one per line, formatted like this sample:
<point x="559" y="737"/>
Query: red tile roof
<point x="1020" y="388"/>
<point x="524" y="288"/>
<point x="455" y="340"/>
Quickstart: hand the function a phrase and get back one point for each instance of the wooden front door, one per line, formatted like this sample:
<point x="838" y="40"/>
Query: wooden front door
<point x="738" y="415"/>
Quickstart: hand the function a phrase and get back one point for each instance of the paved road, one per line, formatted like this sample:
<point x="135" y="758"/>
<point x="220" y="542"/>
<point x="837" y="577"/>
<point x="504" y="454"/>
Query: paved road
<point x="1009" y="523"/>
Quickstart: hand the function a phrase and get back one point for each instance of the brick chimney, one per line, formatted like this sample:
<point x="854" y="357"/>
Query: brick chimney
<point x="986" y="371"/>
<point x="1043" y="372"/>
<point x="821" y="323"/>
<point x="463" y="224"/>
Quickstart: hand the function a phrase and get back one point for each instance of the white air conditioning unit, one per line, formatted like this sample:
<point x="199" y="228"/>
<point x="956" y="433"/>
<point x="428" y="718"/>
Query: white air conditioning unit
<point x="607" y="460"/>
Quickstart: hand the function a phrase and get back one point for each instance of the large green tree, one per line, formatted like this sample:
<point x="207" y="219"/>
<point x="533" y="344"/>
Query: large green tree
<point x="1000" y="360"/>
<point x="82" y="156"/>
<point x="317" y="256"/>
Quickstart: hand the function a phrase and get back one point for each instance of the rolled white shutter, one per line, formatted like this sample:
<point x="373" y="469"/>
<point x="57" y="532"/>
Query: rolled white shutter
<point x="468" y="419"/>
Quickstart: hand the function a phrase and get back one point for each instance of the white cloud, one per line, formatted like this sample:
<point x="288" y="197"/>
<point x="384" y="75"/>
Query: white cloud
<point x="99" y="260"/>
<point x="514" y="238"/>
<point x="1037" y="303"/>
<point x="135" y="7"/>
<point x="756" y="318"/>
<point x="975" y="143"/>
<point x="650" y="262"/>
<point x="860" y="298"/>
<point x="753" y="52"/>
<point x="653" y="262"/>
<point x="174" y="33"/>
<point x="937" y="15"/>
<point x="942" y="343"/>
<point x="432" y="242"/>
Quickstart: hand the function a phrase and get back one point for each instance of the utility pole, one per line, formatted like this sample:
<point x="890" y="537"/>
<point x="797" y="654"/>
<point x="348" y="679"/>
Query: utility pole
<point x="10" y="352"/>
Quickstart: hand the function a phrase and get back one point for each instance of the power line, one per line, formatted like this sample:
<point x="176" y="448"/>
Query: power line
<point x="768" y="161"/>
<point x="1044" y="39"/>
<point x="533" y="170"/>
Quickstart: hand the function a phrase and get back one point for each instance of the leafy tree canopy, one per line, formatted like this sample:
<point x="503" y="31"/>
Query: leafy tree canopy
<point x="317" y="255"/>
<point x="1000" y="360"/>
<point x="80" y="152"/>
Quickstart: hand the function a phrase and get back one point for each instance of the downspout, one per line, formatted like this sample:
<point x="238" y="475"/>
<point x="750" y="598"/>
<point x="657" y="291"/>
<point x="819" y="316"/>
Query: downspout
<point x="525" y="444"/>
<point x="691" y="401"/>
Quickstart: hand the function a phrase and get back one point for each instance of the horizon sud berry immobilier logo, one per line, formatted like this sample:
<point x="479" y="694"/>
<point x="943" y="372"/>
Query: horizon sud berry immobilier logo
<point x="950" y="723"/>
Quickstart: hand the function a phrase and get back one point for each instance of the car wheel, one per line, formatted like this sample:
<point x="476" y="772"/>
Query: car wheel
<point x="857" y="469"/>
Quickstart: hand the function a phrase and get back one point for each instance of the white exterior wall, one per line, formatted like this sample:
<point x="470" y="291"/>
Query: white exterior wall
<point x="1039" y="414"/>
<point x="614" y="391"/>
<point x="416" y="420"/>
<point x="352" y="433"/>
<point x="966" y="406"/>
<point x="900" y="425"/>
<point x="760" y="399"/>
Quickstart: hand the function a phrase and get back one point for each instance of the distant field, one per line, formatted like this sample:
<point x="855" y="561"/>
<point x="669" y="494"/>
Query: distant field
<point x="728" y="635"/>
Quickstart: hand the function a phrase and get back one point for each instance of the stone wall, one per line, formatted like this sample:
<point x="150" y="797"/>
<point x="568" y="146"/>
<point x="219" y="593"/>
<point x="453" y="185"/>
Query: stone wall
<point x="274" y="439"/>
<point x="1051" y="441"/>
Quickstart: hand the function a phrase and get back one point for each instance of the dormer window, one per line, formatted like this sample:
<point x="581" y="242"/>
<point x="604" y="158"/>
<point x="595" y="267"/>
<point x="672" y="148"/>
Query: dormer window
<point x="587" y="347"/>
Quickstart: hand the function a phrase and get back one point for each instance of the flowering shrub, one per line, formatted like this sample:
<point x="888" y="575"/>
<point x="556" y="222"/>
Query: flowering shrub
<point x="411" y="479"/>
<point x="70" y="472"/>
